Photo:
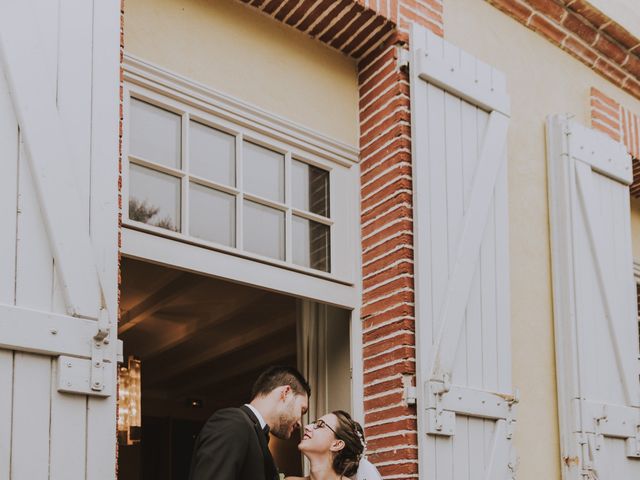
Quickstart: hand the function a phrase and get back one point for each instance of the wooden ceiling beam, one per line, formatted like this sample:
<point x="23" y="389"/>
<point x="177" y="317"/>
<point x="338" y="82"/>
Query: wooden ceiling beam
<point x="157" y="300"/>
<point x="230" y="343"/>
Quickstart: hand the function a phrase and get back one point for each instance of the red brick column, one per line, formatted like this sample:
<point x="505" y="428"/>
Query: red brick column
<point x="387" y="263"/>
<point x="387" y="242"/>
<point x="621" y="124"/>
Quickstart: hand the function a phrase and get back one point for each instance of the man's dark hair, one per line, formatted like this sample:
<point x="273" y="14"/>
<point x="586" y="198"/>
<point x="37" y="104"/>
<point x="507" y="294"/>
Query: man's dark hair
<point x="278" y="376"/>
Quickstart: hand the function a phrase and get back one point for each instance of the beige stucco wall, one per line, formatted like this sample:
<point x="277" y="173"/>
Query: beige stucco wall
<point x="234" y="49"/>
<point x="542" y="80"/>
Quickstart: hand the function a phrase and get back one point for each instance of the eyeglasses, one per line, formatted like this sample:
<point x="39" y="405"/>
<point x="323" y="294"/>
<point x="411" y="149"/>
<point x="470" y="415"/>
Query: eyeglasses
<point x="321" y="424"/>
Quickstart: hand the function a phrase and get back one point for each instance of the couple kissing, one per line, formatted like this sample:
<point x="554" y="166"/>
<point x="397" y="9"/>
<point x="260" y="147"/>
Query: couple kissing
<point x="233" y="444"/>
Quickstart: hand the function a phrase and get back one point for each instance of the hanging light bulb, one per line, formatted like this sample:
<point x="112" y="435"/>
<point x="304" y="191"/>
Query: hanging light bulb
<point x="129" y="403"/>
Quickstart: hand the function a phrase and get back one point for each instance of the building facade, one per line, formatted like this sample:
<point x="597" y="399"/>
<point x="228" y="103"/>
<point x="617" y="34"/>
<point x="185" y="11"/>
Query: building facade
<point x="427" y="206"/>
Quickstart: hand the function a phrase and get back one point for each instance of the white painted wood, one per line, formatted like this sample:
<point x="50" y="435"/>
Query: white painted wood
<point x="471" y="240"/>
<point x="6" y="411"/>
<point x="459" y="133"/>
<point x="34" y="262"/>
<point x="191" y="258"/>
<point x="101" y="413"/>
<point x="49" y="158"/>
<point x="61" y="62"/>
<point x="74" y="72"/>
<point x="67" y="432"/>
<point x="31" y="417"/>
<point x="40" y="331"/>
<point x="8" y="194"/>
<point x="594" y="303"/>
<point x="439" y="64"/>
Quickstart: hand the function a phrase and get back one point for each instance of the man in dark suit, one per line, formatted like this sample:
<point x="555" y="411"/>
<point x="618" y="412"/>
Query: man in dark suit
<point x="233" y="444"/>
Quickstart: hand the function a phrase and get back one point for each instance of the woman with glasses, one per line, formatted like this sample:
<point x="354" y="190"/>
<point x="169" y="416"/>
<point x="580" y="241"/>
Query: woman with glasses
<point x="334" y="445"/>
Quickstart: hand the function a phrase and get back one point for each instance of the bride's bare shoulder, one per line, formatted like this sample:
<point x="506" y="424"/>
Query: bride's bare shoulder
<point x="297" y="478"/>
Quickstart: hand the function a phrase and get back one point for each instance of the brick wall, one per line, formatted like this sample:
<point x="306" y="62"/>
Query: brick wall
<point x="585" y="33"/>
<point x="621" y="124"/>
<point x="387" y="262"/>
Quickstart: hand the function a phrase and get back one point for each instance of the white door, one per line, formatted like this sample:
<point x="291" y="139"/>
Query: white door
<point x="59" y="74"/>
<point x="595" y="307"/>
<point x="460" y="116"/>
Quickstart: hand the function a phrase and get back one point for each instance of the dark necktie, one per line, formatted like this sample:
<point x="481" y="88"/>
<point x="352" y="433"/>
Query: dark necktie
<point x="265" y="430"/>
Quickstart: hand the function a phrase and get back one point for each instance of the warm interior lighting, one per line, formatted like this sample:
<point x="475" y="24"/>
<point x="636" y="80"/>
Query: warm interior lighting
<point x="129" y="403"/>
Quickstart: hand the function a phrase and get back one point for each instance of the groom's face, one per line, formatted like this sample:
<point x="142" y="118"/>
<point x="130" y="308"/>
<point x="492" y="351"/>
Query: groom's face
<point x="290" y="415"/>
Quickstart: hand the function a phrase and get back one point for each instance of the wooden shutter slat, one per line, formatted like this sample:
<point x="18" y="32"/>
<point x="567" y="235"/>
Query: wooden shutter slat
<point x="52" y="171"/>
<point x="468" y="251"/>
<point x="605" y="278"/>
<point x="459" y="130"/>
<point x="594" y="303"/>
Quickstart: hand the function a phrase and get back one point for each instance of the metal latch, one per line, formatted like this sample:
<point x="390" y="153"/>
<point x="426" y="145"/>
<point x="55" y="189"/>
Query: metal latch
<point x="633" y="444"/>
<point x="100" y="340"/>
<point x="87" y="376"/>
<point x="440" y="421"/>
<point x="404" y="58"/>
<point x="409" y="393"/>
<point x="512" y="401"/>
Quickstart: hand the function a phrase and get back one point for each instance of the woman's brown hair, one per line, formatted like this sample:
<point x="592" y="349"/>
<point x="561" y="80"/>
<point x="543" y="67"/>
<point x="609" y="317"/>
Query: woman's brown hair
<point x="346" y="461"/>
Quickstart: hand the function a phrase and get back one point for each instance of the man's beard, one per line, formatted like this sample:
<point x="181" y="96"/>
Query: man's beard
<point x="283" y="429"/>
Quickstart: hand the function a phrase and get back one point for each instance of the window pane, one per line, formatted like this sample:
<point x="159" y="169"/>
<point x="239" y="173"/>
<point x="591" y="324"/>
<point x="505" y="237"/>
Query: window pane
<point x="263" y="230"/>
<point x="310" y="188"/>
<point x="311" y="244"/>
<point x="154" y="134"/>
<point x="212" y="154"/>
<point x="263" y="172"/>
<point x="212" y="215"/>
<point x="154" y="198"/>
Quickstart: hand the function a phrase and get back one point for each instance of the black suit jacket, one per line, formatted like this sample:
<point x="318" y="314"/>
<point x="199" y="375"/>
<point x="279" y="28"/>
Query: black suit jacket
<point x="232" y="446"/>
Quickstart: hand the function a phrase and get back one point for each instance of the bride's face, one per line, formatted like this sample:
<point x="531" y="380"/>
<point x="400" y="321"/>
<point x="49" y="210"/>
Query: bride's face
<point x="320" y="437"/>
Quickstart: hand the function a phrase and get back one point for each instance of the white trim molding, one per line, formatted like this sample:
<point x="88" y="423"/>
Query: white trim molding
<point x="153" y="77"/>
<point x="192" y="258"/>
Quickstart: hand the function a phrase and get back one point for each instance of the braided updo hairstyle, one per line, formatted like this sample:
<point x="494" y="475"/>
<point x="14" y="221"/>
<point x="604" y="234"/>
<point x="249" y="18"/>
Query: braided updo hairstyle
<point x="346" y="461"/>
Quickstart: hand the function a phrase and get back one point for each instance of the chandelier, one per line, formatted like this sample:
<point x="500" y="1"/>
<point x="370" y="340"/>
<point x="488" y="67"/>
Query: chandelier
<point x="129" y="403"/>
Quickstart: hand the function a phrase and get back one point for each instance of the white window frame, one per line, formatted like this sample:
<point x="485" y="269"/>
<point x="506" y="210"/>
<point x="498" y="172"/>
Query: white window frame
<point x="193" y="101"/>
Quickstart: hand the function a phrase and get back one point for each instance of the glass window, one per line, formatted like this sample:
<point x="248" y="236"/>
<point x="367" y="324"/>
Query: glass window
<point x="216" y="186"/>
<point x="263" y="172"/>
<point x="310" y="188"/>
<point x="212" y="154"/>
<point x="212" y="215"/>
<point x="155" y="134"/>
<point x="311" y="244"/>
<point x="263" y="229"/>
<point x="154" y="198"/>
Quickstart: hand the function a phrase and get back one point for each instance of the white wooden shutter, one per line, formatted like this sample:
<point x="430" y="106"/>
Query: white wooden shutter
<point x="460" y="115"/>
<point x="595" y="306"/>
<point x="59" y="99"/>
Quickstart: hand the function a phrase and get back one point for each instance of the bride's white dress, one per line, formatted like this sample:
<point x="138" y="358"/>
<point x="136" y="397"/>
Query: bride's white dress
<point x="366" y="471"/>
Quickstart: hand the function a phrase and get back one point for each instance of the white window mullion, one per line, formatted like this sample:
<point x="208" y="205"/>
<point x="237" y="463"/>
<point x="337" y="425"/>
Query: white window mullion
<point x="240" y="196"/>
<point x="288" y="235"/>
<point x="184" y="194"/>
